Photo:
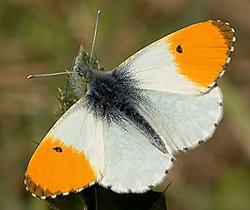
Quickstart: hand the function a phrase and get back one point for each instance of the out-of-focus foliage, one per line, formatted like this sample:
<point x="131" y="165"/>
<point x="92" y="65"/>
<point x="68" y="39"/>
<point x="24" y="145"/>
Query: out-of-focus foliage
<point x="44" y="36"/>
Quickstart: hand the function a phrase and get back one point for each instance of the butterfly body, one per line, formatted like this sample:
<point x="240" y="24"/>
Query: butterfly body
<point x="124" y="132"/>
<point x="115" y="98"/>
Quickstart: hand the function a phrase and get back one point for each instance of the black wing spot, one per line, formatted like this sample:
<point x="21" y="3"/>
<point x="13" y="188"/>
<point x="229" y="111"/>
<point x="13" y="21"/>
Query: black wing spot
<point x="57" y="149"/>
<point x="179" y="49"/>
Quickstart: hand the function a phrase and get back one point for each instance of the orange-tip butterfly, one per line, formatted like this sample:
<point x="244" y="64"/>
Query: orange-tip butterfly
<point x="124" y="132"/>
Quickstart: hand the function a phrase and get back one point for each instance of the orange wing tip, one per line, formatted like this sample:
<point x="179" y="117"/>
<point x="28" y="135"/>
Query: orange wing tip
<point x="51" y="173"/>
<point x="225" y="29"/>
<point x="227" y="32"/>
<point x="36" y="190"/>
<point x="201" y="51"/>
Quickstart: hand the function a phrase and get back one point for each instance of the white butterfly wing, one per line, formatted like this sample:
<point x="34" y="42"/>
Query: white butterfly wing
<point x="183" y="121"/>
<point x="132" y="163"/>
<point x="188" y="61"/>
<point x="70" y="157"/>
<point x="155" y="69"/>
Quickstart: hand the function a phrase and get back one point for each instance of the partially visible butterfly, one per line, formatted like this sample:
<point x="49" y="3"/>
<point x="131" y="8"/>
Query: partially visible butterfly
<point x="124" y="132"/>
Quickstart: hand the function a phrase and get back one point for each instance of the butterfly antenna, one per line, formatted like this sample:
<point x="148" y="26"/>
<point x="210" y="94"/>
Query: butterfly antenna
<point x="95" y="33"/>
<point x="32" y="76"/>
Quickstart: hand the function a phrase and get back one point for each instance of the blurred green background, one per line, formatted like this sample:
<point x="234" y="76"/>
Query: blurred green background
<point x="43" y="36"/>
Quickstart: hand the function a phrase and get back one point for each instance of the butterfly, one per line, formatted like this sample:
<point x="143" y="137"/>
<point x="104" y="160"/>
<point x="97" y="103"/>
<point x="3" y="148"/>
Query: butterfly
<point x="123" y="134"/>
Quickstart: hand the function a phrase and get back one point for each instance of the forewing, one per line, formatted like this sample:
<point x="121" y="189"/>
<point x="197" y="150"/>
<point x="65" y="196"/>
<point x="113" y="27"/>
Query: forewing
<point x="188" y="61"/>
<point x="70" y="157"/>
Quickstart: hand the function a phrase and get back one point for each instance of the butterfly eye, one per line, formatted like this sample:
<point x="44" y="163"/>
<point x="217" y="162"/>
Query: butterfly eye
<point x="57" y="149"/>
<point x="82" y="69"/>
<point x="179" y="49"/>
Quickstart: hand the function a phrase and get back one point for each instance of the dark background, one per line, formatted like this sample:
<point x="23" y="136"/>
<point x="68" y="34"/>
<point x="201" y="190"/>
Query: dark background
<point x="44" y="36"/>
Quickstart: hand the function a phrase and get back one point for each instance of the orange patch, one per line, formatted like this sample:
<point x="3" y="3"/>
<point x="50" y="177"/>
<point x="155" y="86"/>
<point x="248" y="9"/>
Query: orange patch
<point x="56" y="169"/>
<point x="202" y="50"/>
